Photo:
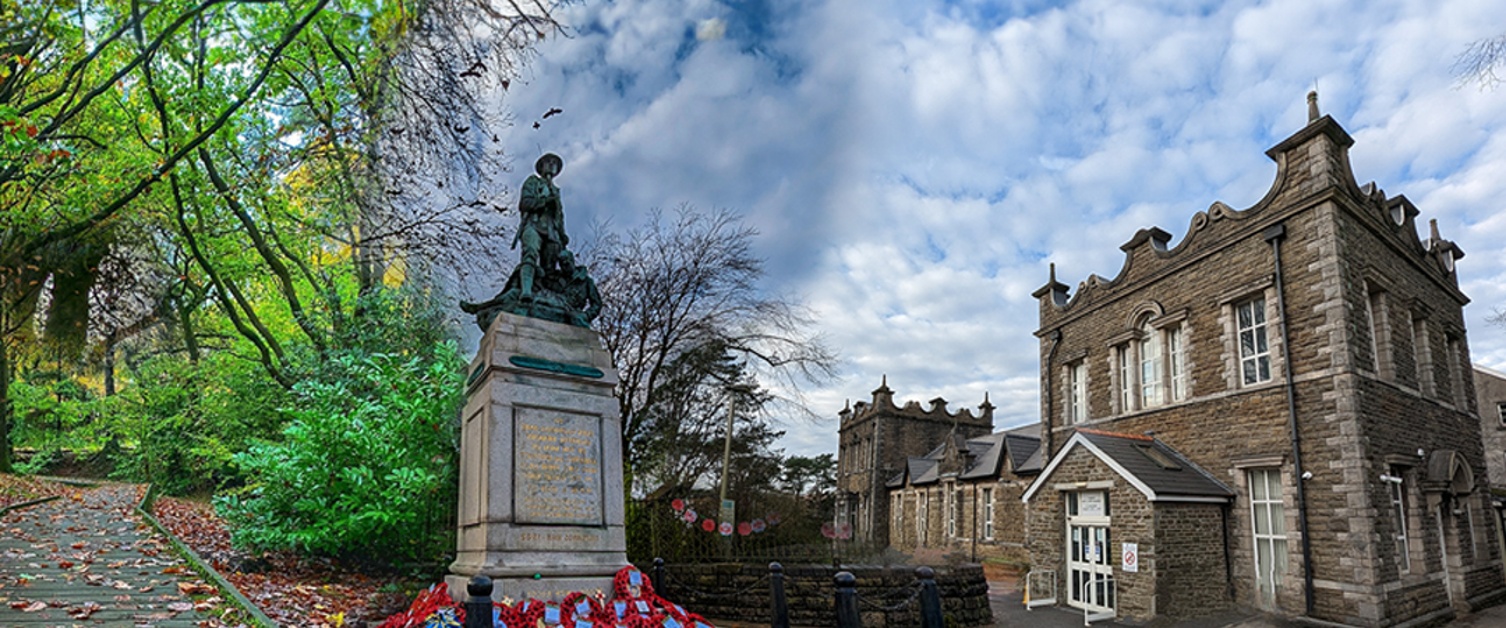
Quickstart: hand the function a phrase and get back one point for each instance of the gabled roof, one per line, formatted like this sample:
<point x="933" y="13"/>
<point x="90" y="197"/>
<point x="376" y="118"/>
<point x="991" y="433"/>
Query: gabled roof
<point x="1151" y="466"/>
<point x="923" y="470"/>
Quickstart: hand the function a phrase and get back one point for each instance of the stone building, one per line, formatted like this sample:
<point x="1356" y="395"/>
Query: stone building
<point x="1490" y="394"/>
<point x="963" y="497"/>
<point x="876" y="442"/>
<point x="1277" y="412"/>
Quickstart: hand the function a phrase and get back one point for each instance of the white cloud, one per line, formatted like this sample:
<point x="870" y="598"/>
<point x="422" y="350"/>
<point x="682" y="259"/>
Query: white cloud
<point x="915" y="165"/>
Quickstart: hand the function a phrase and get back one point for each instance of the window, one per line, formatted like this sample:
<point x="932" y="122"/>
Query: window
<point x="1422" y="356"/>
<point x="1077" y="392"/>
<point x="951" y="513"/>
<point x="1126" y="381"/>
<point x="1399" y="512"/>
<point x="988" y="514"/>
<point x="921" y="514"/>
<point x="1268" y="524"/>
<point x="1176" y="359"/>
<point x="1254" y="350"/>
<point x="1468" y="514"/>
<point x="1456" y="381"/>
<point x="899" y="512"/>
<point x="1150" y="366"/>
<point x="1501" y="411"/>
<point x="1378" y="318"/>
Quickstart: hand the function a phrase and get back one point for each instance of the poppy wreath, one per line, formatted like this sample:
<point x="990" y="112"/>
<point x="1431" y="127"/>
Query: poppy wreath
<point x="634" y="605"/>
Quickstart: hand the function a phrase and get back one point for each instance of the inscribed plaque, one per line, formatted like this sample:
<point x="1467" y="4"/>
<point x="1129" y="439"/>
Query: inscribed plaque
<point x="557" y="467"/>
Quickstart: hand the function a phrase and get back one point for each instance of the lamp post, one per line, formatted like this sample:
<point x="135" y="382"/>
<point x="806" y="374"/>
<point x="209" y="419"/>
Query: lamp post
<point x="728" y="510"/>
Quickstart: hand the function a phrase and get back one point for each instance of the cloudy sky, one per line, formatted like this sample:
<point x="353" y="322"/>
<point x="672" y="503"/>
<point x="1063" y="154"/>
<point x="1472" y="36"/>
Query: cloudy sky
<point x="913" y="166"/>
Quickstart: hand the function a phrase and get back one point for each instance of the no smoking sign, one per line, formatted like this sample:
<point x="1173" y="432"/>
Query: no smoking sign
<point x="1130" y="557"/>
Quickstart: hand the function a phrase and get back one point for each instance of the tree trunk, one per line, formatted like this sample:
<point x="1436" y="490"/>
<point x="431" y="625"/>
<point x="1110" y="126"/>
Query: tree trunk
<point x="5" y="407"/>
<point x="109" y="365"/>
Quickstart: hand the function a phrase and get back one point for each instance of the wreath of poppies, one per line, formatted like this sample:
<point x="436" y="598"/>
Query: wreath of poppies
<point x="634" y="604"/>
<point x="725" y="528"/>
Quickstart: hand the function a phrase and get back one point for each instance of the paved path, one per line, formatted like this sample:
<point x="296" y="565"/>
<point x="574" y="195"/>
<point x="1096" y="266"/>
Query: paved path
<point x="87" y="559"/>
<point x="1005" y="599"/>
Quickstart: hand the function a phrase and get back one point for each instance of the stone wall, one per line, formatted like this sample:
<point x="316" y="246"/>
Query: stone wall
<point x="1490" y="393"/>
<point x="1189" y="557"/>
<point x="741" y="592"/>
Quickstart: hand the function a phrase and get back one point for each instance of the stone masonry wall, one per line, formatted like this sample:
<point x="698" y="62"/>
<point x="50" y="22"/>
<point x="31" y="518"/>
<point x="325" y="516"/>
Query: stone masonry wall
<point x="1359" y="286"/>
<point x="1190" y="556"/>
<point x="741" y="592"/>
<point x="1131" y="520"/>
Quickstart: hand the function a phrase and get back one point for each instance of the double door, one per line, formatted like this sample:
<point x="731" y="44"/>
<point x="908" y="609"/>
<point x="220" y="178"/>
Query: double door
<point x="1090" y="570"/>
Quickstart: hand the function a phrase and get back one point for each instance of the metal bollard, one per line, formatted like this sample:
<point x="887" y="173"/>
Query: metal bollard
<point x="781" y="610"/>
<point x="478" y="604"/>
<point x="930" y="598"/>
<point x="847" y="601"/>
<point x="657" y="577"/>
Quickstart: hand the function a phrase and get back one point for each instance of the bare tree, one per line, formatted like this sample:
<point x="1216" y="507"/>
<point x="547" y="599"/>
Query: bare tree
<point x="1480" y="62"/>
<point x="675" y="287"/>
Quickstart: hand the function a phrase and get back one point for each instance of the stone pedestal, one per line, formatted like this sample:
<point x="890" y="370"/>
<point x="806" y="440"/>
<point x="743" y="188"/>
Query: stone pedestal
<point x="541" y="502"/>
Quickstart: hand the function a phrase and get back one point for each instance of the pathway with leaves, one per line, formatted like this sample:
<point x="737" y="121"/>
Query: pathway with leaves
<point x="87" y="558"/>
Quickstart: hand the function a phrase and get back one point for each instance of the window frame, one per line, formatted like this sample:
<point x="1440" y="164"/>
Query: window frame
<point x="988" y="514"/>
<point x="1150" y="357"/>
<point x="1176" y="363"/>
<point x="1398" y="493"/>
<point x="1077" y="392"/>
<point x="1260" y="354"/>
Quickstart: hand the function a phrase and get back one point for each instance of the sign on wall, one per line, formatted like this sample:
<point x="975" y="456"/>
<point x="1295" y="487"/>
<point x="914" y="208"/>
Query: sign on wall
<point x="1130" y="557"/>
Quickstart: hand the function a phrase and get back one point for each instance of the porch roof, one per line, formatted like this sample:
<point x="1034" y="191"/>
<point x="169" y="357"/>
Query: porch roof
<point x="1151" y="466"/>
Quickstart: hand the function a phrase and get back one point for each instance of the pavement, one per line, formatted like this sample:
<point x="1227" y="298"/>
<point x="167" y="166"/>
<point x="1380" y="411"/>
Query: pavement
<point x="86" y="558"/>
<point x="1006" y="599"/>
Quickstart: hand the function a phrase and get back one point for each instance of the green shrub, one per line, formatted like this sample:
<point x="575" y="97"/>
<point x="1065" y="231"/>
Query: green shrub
<point x="366" y="465"/>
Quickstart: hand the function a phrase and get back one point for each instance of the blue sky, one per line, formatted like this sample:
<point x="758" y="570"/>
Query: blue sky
<point x="913" y="166"/>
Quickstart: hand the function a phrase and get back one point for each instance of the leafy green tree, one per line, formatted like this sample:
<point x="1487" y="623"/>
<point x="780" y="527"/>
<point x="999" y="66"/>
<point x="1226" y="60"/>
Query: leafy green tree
<point x="364" y="461"/>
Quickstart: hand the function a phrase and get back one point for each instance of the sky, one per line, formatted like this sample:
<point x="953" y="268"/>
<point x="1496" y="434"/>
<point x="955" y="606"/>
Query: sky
<point x="914" y="166"/>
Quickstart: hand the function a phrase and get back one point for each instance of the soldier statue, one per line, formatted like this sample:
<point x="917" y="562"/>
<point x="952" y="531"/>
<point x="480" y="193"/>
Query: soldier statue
<point x="546" y="283"/>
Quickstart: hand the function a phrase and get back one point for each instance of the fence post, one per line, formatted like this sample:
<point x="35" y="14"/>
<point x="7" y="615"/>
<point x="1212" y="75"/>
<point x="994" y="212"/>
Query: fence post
<point x="930" y="598"/>
<point x="657" y="577"/>
<point x="847" y="601"/>
<point x="780" y="610"/>
<point x="478" y="606"/>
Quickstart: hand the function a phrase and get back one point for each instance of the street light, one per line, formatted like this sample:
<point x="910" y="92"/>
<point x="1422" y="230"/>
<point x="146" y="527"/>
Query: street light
<point x="728" y="510"/>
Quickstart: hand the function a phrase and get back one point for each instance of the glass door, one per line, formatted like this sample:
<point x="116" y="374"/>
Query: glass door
<point x="1090" y="567"/>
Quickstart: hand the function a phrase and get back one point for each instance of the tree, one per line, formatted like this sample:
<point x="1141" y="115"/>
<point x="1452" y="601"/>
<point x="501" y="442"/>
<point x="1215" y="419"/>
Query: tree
<point x="1480" y="62"/>
<point x="201" y="125"/>
<point x="684" y="319"/>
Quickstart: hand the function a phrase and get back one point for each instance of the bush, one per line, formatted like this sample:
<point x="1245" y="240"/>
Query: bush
<point x="366" y="465"/>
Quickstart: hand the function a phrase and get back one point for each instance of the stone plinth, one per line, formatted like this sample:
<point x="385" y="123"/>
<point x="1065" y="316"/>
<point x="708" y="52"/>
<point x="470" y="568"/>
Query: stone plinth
<point x="541" y="506"/>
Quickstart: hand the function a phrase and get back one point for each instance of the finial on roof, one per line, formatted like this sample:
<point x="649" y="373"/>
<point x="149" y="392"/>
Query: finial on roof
<point x="1433" y="229"/>
<point x="1053" y="272"/>
<point x="986" y="405"/>
<point x="1312" y="105"/>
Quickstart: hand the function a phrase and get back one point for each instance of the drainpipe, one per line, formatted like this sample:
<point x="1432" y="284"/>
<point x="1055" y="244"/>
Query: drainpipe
<point x="1275" y="234"/>
<point x="1056" y="340"/>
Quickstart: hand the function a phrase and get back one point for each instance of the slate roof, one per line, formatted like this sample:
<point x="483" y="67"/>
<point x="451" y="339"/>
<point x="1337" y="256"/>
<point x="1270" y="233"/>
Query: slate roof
<point x="1153" y="467"/>
<point x="984" y="456"/>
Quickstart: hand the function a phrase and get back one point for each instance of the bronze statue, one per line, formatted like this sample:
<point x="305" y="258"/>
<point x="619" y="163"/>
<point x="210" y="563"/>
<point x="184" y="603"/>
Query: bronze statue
<point x="546" y="283"/>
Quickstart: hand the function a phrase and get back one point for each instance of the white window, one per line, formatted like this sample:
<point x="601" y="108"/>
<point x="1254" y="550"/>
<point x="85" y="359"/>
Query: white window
<point x="899" y="512"/>
<point x="951" y="513"/>
<point x="1150" y="366"/>
<point x="988" y="514"/>
<point x="921" y="514"/>
<point x="1399" y="511"/>
<point x="1268" y="519"/>
<point x="1077" y="397"/>
<point x="1501" y="411"/>
<point x="1254" y="349"/>
<point x="1176" y="359"/>
<point x="1126" y="381"/>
